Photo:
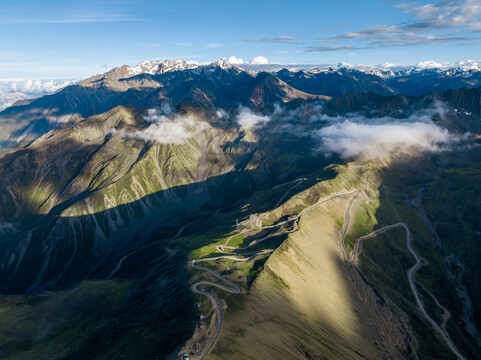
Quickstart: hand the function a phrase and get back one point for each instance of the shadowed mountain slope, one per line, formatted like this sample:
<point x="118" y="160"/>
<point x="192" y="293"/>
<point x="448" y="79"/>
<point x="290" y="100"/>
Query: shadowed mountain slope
<point x="215" y="85"/>
<point x="336" y="82"/>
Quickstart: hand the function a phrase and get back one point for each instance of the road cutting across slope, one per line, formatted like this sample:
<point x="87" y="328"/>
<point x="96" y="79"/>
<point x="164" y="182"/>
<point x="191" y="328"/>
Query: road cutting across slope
<point x="410" y="273"/>
<point x="233" y="288"/>
<point x="121" y="261"/>
<point x="349" y="258"/>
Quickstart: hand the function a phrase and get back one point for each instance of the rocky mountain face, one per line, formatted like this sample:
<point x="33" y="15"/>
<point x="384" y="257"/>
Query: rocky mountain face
<point x="421" y="81"/>
<point x="460" y="109"/>
<point x="170" y="208"/>
<point x="146" y="85"/>
<point x="336" y="82"/>
<point x="215" y="85"/>
<point x="91" y="179"/>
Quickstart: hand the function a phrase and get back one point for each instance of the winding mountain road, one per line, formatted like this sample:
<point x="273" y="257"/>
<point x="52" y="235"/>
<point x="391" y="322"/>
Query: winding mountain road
<point x="346" y="224"/>
<point x="233" y="288"/>
<point x="216" y="303"/>
<point x="294" y="220"/>
<point x="410" y="273"/>
<point x="298" y="182"/>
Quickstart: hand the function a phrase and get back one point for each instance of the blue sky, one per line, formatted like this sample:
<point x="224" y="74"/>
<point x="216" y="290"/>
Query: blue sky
<point x="74" y="39"/>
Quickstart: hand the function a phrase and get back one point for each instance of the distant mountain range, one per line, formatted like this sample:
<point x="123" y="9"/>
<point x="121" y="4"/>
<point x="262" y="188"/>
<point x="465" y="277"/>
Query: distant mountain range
<point x="146" y="85"/>
<point x="343" y="81"/>
<point x="219" y="84"/>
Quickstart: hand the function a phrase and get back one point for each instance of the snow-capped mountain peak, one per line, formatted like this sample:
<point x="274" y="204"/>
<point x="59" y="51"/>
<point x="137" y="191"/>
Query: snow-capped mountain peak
<point x="162" y="67"/>
<point x="159" y="67"/>
<point x="222" y="64"/>
<point x="149" y="67"/>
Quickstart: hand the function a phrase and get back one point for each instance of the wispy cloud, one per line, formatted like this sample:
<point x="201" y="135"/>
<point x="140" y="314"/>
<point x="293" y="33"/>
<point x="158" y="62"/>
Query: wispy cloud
<point x="214" y="46"/>
<point x="248" y="120"/>
<point x="278" y="39"/>
<point x="351" y="139"/>
<point x="68" y="20"/>
<point x="332" y="48"/>
<point x="182" y="44"/>
<point x="444" y="14"/>
<point x="444" y="21"/>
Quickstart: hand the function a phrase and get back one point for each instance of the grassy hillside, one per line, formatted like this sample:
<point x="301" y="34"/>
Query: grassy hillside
<point x="307" y="302"/>
<point x="29" y="330"/>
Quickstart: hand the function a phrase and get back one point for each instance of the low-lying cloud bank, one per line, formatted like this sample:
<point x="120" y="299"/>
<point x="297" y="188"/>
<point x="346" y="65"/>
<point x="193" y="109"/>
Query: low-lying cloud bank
<point x="248" y="120"/>
<point x="167" y="128"/>
<point x="355" y="135"/>
<point x="349" y="136"/>
<point x="14" y="90"/>
<point x="351" y="139"/>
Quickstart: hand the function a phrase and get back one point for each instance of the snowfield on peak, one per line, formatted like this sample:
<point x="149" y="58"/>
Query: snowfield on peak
<point x="160" y="67"/>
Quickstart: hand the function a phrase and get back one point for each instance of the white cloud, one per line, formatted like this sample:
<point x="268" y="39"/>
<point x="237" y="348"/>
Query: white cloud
<point x="248" y="120"/>
<point x="459" y="20"/>
<point x="14" y="90"/>
<point x="354" y="135"/>
<point x="234" y="60"/>
<point x="214" y="45"/>
<point x="277" y="39"/>
<point x="165" y="129"/>
<point x="388" y="65"/>
<point x="221" y="114"/>
<point x="444" y="14"/>
<point x="350" y="139"/>
<point x="259" y="60"/>
<point x="464" y="65"/>
<point x="429" y="65"/>
<point x="182" y="44"/>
